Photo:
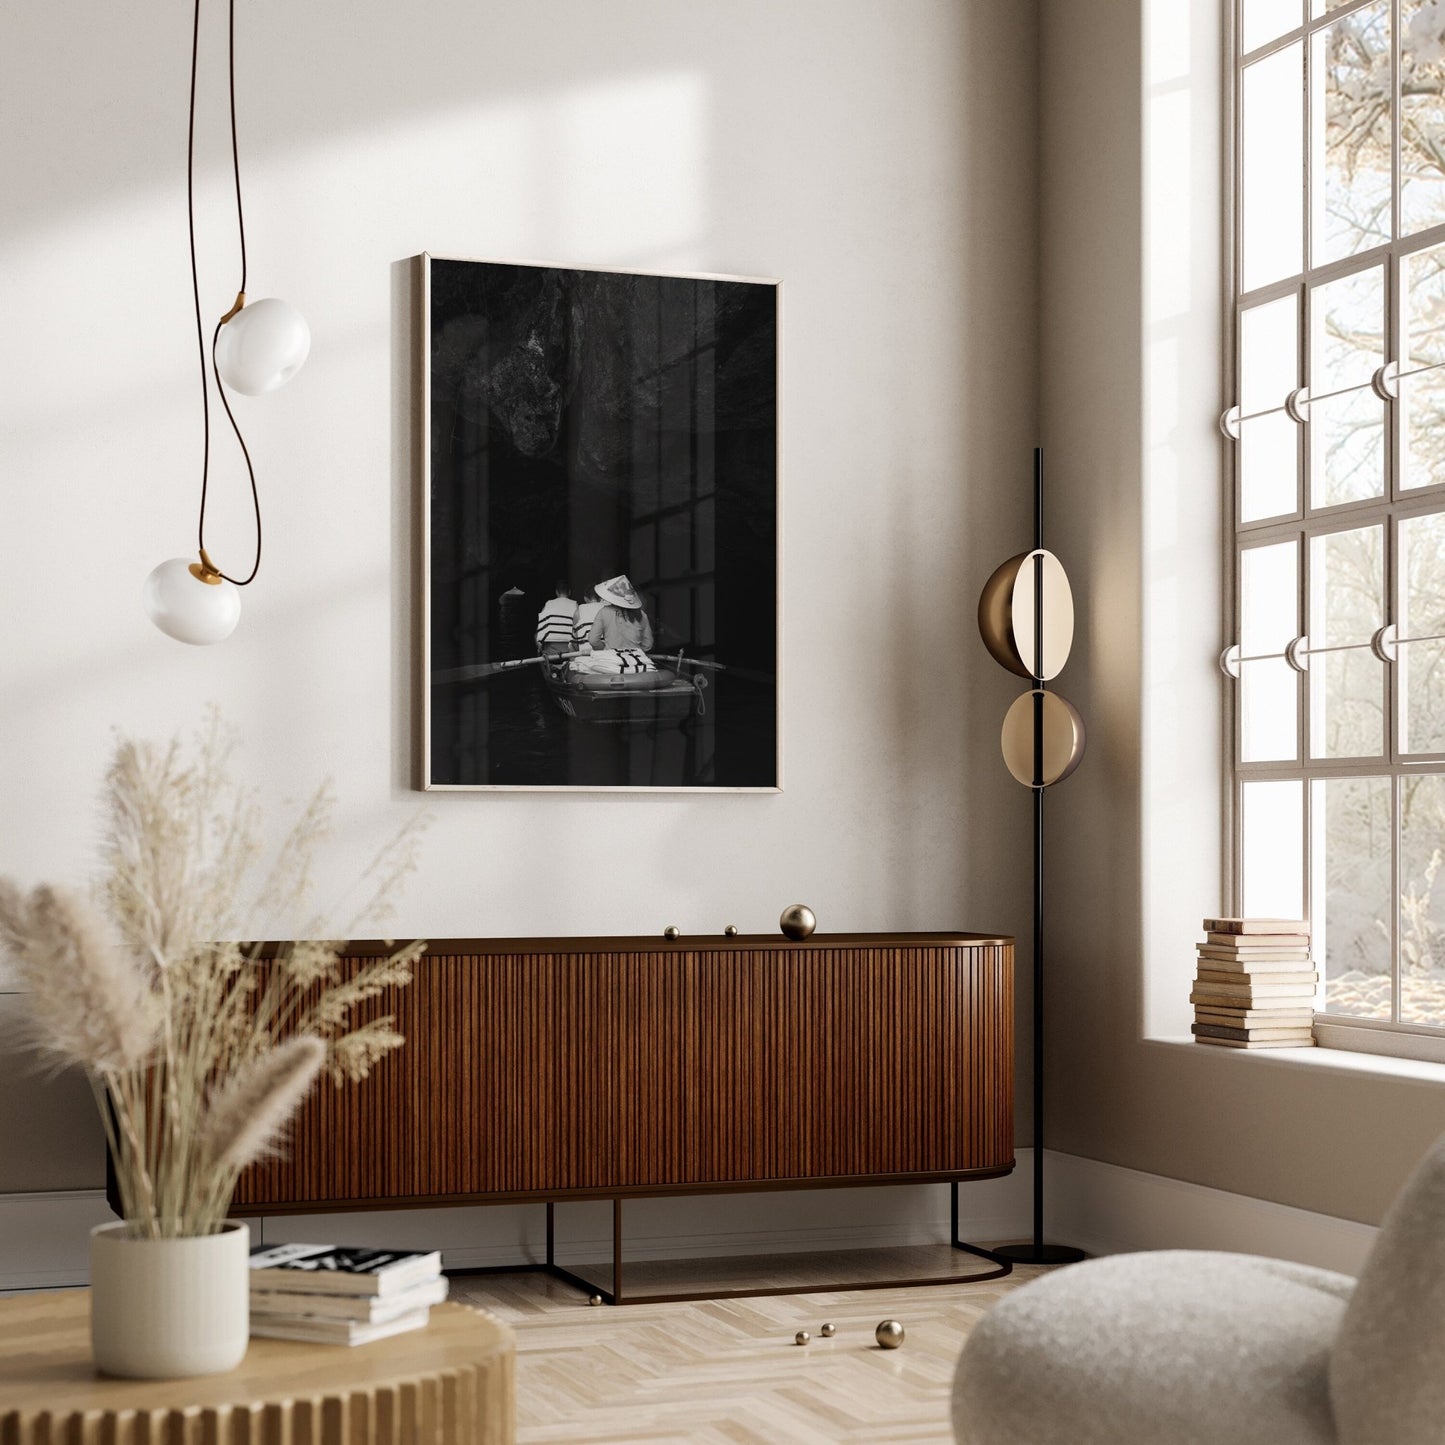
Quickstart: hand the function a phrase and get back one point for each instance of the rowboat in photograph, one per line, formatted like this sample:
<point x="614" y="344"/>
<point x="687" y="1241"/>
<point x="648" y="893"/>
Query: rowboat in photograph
<point x="666" y="694"/>
<point x="639" y="697"/>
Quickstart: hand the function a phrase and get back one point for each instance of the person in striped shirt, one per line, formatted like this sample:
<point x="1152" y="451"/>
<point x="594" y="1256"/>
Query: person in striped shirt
<point x="587" y="611"/>
<point x="556" y="623"/>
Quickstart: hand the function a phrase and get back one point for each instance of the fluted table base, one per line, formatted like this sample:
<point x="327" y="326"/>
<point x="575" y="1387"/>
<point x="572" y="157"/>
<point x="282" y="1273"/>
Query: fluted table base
<point x="450" y="1384"/>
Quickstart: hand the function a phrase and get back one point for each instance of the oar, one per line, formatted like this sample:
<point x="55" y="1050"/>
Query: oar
<point x="490" y="669"/>
<point x="743" y="673"/>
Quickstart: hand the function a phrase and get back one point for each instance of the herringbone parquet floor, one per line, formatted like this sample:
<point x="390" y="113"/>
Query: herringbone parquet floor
<point x="727" y="1371"/>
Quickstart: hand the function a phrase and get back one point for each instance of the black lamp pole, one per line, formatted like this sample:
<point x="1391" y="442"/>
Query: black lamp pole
<point x="1037" y="1252"/>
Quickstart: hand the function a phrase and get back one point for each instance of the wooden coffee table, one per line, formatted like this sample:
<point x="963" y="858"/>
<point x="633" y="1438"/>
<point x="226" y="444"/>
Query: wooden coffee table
<point x="449" y="1384"/>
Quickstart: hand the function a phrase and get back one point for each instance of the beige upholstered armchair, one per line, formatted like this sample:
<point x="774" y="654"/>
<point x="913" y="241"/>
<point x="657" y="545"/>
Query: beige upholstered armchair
<point x="1192" y="1348"/>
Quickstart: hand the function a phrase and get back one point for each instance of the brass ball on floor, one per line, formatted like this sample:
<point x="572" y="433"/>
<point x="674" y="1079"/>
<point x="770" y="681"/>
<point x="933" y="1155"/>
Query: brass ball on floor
<point x="802" y="1337"/>
<point x="672" y="931"/>
<point x="828" y="1331"/>
<point x="594" y="1299"/>
<point x="798" y="921"/>
<point x="889" y="1334"/>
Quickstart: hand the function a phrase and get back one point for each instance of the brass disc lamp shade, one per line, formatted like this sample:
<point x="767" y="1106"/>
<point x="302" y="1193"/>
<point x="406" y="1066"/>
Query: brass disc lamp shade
<point x="1026" y="620"/>
<point x="1062" y="736"/>
<point x="1006" y="613"/>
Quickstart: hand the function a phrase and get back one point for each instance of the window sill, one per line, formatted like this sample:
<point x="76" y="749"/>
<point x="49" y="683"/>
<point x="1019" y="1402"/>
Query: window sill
<point x="1342" y="1060"/>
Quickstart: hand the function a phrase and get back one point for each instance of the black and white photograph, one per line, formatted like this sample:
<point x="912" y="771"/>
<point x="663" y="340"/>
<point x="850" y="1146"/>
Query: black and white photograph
<point x="601" y="529"/>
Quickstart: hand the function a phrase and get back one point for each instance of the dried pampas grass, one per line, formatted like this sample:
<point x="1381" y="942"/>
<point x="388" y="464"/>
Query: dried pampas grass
<point x="246" y="1118"/>
<point x="199" y="1050"/>
<point x="90" y="1004"/>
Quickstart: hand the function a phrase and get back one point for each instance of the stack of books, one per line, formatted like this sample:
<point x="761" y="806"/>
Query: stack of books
<point x="330" y="1295"/>
<point x="1255" y="985"/>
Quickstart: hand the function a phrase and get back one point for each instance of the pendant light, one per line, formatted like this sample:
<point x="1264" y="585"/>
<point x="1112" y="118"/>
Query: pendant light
<point x="255" y="348"/>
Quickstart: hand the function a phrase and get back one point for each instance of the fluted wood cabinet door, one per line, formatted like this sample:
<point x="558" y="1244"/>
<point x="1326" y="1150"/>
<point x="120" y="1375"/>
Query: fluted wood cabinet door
<point x="594" y="1067"/>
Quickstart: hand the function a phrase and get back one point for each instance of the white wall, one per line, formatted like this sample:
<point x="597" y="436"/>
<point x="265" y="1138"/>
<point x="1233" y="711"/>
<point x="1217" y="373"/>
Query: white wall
<point x="878" y="155"/>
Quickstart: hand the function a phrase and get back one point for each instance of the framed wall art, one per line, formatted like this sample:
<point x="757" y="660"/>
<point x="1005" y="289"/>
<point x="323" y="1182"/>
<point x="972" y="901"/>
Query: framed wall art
<point x="600" y="572"/>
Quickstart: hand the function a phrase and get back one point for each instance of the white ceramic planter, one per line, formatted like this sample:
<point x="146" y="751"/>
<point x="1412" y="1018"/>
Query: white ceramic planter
<point x="162" y="1308"/>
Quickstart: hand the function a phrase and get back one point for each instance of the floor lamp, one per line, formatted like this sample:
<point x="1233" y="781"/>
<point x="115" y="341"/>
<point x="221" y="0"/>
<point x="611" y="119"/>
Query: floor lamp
<point x="1026" y="618"/>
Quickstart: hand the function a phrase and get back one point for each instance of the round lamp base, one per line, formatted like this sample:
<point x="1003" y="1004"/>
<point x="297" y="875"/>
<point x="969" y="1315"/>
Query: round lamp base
<point x="1038" y="1254"/>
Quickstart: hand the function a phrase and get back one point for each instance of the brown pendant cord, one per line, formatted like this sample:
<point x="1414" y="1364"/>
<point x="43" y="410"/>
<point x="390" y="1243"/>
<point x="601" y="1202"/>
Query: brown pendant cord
<point x="196" y="292"/>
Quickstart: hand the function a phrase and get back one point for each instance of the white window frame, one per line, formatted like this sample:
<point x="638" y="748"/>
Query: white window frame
<point x="1334" y="1030"/>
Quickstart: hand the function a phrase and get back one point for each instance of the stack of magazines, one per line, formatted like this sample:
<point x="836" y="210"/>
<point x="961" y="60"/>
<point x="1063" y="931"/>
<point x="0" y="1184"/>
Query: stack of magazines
<point x="338" y="1295"/>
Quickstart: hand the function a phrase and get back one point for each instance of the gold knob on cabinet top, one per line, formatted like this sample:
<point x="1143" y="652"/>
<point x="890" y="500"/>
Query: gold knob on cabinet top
<point x="731" y="931"/>
<point x="798" y="921"/>
<point x="672" y="931"/>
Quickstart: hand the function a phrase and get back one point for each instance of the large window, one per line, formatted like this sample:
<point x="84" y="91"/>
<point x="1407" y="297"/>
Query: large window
<point x="1338" y="423"/>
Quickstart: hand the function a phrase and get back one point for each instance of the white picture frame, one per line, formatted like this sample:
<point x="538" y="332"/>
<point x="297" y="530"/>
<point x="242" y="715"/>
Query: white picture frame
<point x="581" y="424"/>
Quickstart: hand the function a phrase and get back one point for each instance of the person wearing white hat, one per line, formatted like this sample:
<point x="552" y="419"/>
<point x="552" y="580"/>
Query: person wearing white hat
<point x="620" y="635"/>
<point x="621" y="624"/>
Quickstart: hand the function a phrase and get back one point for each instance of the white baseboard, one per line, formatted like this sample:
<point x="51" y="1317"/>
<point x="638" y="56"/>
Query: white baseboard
<point x="44" y="1237"/>
<point x="1100" y="1207"/>
<point x="1109" y="1210"/>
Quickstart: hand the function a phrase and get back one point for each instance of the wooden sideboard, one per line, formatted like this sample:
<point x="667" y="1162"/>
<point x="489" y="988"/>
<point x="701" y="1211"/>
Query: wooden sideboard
<point x="583" y="1068"/>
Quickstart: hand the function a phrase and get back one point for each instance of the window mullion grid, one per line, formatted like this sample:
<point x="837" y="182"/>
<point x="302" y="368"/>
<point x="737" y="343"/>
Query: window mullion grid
<point x="1309" y="522"/>
<point x="1395" y="277"/>
<point x="1394" y="475"/>
<point x="1392" y="614"/>
<point x="1382" y="254"/>
<point x="1235" y="879"/>
<point x="1395" y="172"/>
<point x="1395" y="351"/>
<point x="1395" y="830"/>
<point x="1307" y="852"/>
<point x="1305" y="698"/>
<point x="1303" y="370"/>
<point x="1236" y="830"/>
<point x="1307" y="189"/>
<point x="1237" y="459"/>
<point x="1307" y="27"/>
<point x="1342" y="515"/>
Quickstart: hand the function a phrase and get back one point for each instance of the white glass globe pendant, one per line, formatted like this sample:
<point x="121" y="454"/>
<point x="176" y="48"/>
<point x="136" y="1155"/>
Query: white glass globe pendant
<point x="261" y="346"/>
<point x="254" y="349"/>
<point x="189" y="605"/>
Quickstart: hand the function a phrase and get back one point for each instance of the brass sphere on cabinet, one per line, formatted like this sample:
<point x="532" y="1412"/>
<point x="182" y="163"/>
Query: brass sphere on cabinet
<point x="731" y="931"/>
<point x="802" y="1337"/>
<point x="1063" y="738"/>
<point x="594" y="1299"/>
<point x="828" y="1331"/>
<point x="889" y="1334"/>
<point x="798" y="921"/>
<point x="672" y="931"/>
